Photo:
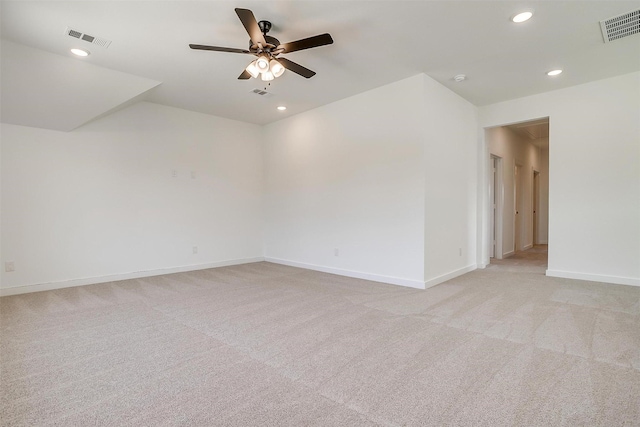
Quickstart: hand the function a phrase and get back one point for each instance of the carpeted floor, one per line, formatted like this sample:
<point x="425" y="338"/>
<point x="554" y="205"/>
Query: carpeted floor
<point x="268" y="345"/>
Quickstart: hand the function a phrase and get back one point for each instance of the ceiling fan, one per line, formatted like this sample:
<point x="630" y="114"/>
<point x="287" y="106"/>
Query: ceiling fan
<point x="268" y="64"/>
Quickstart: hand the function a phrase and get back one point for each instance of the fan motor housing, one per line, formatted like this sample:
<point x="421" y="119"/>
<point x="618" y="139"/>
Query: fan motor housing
<point x="272" y="43"/>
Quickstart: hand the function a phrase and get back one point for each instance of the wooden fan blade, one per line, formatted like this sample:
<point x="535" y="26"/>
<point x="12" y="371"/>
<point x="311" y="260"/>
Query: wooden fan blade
<point x="251" y="25"/>
<point x="217" y="49"/>
<point x="296" y="68"/>
<point x="308" y="43"/>
<point x="244" y="76"/>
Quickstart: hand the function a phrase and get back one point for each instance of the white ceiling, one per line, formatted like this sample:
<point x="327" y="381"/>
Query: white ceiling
<point x="536" y="131"/>
<point x="376" y="42"/>
<point x="51" y="92"/>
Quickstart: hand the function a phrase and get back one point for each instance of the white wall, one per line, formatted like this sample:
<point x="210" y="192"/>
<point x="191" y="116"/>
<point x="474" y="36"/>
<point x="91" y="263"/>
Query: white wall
<point x="387" y="177"/>
<point x="350" y="176"/>
<point x="514" y="150"/>
<point x="100" y="202"/>
<point x="543" y="202"/>
<point x="450" y="126"/>
<point x="594" y="175"/>
<point x="379" y="176"/>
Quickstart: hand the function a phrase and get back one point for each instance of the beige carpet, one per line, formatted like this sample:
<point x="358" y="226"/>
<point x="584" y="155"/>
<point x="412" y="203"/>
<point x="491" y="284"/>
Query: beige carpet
<point x="268" y="345"/>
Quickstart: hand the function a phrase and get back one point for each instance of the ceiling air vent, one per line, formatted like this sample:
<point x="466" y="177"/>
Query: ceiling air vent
<point x="620" y="26"/>
<point x="262" y="93"/>
<point x="88" y="38"/>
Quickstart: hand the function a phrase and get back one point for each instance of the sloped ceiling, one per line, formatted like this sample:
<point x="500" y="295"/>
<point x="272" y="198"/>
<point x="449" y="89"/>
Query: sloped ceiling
<point x="45" y="90"/>
<point x="376" y="43"/>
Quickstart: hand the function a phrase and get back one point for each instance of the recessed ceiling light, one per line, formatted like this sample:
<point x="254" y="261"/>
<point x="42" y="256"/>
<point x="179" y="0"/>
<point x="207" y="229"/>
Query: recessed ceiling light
<point x="80" y="52"/>
<point x="282" y="108"/>
<point x="521" y="17"/>
<point x="460" y="77"/>
<point x="554" y="72"/>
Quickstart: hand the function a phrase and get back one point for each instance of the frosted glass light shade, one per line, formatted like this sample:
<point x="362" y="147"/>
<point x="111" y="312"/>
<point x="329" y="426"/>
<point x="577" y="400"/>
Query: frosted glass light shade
<point x="276" y="68"/>
<point x="263" y="64"/>
<point x="267" y="76"/>
<point x="253" y="69"/>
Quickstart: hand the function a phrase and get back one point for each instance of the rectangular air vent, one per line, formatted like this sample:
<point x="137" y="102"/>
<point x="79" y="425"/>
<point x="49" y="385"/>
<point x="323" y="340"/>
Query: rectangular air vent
<point x="620" y="26"/>
<point x="262" y="92"/>
<point x="88" y="38"/>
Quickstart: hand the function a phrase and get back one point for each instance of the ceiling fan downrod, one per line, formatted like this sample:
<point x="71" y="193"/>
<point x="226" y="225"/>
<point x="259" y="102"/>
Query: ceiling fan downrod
<point x="264" y="26"/>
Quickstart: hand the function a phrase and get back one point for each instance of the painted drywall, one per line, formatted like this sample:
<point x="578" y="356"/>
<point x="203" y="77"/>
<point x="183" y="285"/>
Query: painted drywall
<point x="594" y="176"/>
<point x="387" y="178"/>
<point x="543" y="202"/>
<point x="349" y="176"/>
<point x="102" y="201"/>
<point x="514" y="150"/>
<point x="450" y="186"/>
<point x="45" y="90"/>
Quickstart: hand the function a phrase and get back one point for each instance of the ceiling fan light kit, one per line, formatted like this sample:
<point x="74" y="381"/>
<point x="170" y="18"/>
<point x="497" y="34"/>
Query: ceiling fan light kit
<point x="268" y="65"/>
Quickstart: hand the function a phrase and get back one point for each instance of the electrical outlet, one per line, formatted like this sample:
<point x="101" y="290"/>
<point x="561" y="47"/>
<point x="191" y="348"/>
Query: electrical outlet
<point x="9" y="266"/>
<point x="195" y="249"/>
<point x="174" y="173"/>
<point x="336" y="252"/>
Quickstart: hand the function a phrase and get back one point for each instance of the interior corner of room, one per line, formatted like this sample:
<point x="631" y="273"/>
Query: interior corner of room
<point x="104" y="179"/>
<point x="319" y="213"/>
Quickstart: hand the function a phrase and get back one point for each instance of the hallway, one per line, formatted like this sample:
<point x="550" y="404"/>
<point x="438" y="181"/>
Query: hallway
<point x="532" y="260"/>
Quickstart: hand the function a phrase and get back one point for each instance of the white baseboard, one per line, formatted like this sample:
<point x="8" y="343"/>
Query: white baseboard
<point x="440" y="279"/>
<point x="417" y="284"/>
<point x="594" y="277"/>
<point x="508" y="254"/>
<point x="349" y="273"/>
<point x="124" y="276"/>
<point x="529" y="246"/>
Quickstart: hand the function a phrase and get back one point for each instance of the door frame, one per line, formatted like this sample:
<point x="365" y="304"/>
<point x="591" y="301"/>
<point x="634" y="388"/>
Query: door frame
<point x="535" y="203"/>
<point x="496" y="197"/>
<point x="519" y="220"/>
<point x="483" y="241"/>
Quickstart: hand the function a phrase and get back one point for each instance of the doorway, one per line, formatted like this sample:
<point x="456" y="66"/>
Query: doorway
<point x="516" y="196"/>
